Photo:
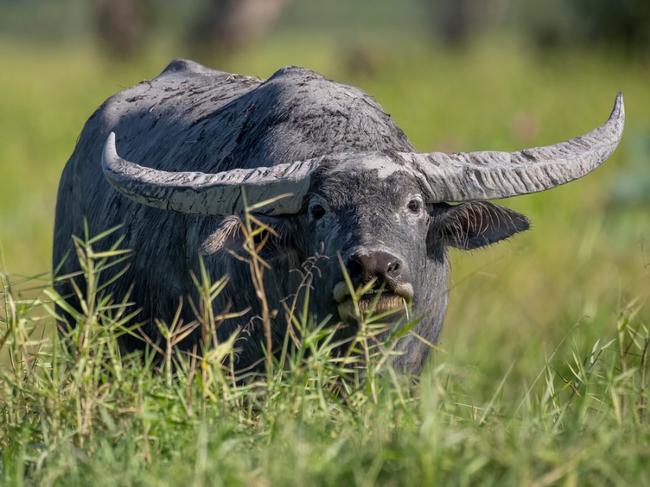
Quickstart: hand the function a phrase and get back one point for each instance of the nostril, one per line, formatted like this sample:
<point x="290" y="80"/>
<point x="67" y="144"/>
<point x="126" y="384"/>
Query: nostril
<point x="394" y="267"/>
<point x="355" y="267"/>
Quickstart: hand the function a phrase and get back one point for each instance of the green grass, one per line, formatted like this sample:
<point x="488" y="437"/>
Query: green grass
<point x="541" y="373"/>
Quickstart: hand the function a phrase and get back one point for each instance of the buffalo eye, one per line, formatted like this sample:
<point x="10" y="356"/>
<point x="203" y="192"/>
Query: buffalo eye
<point x="317" y="212"/>
<point x="414" y="206"/>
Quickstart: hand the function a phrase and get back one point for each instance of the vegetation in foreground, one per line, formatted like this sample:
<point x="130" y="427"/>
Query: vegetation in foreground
<point x="541" y="375"/>
<point x="75" y="411"/>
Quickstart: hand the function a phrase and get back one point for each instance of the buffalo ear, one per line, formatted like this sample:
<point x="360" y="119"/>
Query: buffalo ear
<point x="228" y="235"/>
<point x="473" y="225"/>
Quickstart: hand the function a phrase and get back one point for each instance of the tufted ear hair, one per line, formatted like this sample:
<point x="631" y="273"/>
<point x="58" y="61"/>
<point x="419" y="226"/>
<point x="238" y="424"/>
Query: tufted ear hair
<point x="472" y="225"/>
<point x="228" y="235"/>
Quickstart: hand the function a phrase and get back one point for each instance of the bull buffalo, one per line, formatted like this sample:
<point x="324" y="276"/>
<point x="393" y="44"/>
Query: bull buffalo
<point x="360" y="194"/>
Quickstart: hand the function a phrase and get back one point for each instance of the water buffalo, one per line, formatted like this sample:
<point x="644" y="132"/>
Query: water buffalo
<point x="360" y="194"/>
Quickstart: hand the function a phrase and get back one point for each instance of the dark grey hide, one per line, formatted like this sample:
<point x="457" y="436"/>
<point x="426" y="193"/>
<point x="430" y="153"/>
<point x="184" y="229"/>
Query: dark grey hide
<point x="191" y="118"/>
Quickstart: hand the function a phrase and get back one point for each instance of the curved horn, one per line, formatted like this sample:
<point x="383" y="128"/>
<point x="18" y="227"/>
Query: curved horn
<point x="486" y="175"/>
<point x="210" y="194"/>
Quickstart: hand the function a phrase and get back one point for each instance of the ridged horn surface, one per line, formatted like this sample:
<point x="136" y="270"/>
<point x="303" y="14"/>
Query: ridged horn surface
<point x="468" y="176"/>
<point x="210" y="194"/>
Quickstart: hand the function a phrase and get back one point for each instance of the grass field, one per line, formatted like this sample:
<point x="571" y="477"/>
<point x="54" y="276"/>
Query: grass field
<point x="541" y="374"/>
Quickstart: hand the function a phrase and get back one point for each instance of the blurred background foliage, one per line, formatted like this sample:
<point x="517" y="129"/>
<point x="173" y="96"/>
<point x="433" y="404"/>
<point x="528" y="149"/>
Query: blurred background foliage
<point x="124" y="26"/>
<point x="454" y="74"/>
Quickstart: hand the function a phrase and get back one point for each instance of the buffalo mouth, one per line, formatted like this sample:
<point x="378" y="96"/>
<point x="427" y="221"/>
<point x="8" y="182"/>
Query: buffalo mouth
<point x="375" y="301"/>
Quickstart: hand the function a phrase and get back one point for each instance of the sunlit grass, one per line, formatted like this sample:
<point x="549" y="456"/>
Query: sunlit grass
<point x="75" y="411"/>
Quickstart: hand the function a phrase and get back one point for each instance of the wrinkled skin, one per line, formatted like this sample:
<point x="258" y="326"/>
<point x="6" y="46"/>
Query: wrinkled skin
<point x="364" y="214"/>
<point x="192" y="118"/>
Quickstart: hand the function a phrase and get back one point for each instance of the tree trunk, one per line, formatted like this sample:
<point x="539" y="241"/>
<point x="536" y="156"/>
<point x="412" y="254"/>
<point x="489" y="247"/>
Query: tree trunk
<point x="457" y="22"/>
<point x="229" y="24"/>
<point x="120" y="24"/>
